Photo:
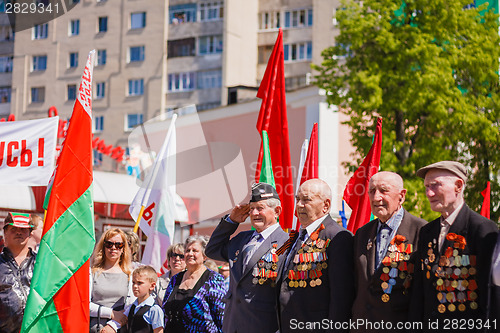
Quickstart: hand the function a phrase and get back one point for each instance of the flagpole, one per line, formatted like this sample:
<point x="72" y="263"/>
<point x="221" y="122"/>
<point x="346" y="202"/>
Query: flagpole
<point x="303" y="154"/>
<point x="156" y="167"/>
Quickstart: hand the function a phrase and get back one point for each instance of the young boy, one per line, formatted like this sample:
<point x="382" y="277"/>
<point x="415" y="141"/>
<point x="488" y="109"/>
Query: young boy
<point x="143" y="315"/>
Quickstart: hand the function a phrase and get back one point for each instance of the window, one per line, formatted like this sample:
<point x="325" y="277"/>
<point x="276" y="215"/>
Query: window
<point x="137" y="20"/>
<point x="5" y="94"/>
<point x="73" y="1"/>
<point x="182" y="13"/>
<point x="98" y="124"/>
<point x="100" y="90"/>
<point x="136" y="87"/>
<point x="97" y="158"/>
<point x="264" y="52"/>
<point x="297" y="52"/>
<point x="269" y="20"/>
<point x="136" y="53"/>
<point x="6" y="64"/>
<point x="181" y="48"/>
<point x="210" y="44"/>
<point x="40" y="31"/>
<point x="298" y="18"/>
<point x="102" y="24"/>
<point x="37" y="95"/>
<point x="181" y="81"/>
<point x="206" y="106"/>
<point x="73" y="60"/>
<point x="211" y="10"/>
<point x="39" y="63"/>
<point x="101" y="58"/>
<point x="71" y="92"/>
<point x="210" y="79"/>
<point x="132" y="120"/>
<point x="74" y="27"/>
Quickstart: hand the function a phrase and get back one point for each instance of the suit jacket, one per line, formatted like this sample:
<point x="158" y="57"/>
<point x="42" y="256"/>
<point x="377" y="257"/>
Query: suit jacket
<point x="368" y="303"/>
<point x="332" y="300"/>
<point x="250" y="307"/>
<point x="493" y="307"/>
<point x="480" y="235"/>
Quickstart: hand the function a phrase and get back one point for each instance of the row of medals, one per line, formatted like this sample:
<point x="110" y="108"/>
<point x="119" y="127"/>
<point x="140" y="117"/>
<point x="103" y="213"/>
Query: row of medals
<point x="266" y="268"/>
<point x="309" y="260"/>
<point x="395" y="265"/>
<point x="452" y="272"/>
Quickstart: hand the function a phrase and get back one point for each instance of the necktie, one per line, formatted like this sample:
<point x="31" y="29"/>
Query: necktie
<point x="442" y="234"/>
<point x="295" y="248"/>
<point x="249" y="249"/>
<point x="383" y="241"/>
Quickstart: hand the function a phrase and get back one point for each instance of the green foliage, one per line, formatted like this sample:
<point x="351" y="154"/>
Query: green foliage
<point x="430" y="69"/>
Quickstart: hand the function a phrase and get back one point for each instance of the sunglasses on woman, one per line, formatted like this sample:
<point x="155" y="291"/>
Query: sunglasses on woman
<point x="181" y="256"/>
<point x="118" y="245"/>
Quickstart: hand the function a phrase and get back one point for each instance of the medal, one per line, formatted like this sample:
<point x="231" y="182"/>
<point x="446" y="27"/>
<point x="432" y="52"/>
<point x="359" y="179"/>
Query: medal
<point x="312" y="283"/>
<point x="451" y="307"/>
<point x="441" y="308"/>
<point x="473" y="305"/>
<point x="461" y="307"/>
<point x="385" y="298"/>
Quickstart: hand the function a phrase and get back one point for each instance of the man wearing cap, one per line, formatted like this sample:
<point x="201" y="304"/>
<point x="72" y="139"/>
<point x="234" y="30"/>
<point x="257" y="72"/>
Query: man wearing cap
<point x="253" y="262"/>
<point x="454" y="253"/>
<point x="383" y="254"/>
<point x="17" y="261"/>
<point x="316" y="285"/>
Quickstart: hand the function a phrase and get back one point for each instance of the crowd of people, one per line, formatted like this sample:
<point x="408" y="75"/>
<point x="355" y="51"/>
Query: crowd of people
<point x="396" y="273"/>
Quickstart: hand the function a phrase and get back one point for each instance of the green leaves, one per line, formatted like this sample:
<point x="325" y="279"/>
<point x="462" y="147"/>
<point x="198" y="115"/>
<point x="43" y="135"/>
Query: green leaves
<point x="430" y="69"/>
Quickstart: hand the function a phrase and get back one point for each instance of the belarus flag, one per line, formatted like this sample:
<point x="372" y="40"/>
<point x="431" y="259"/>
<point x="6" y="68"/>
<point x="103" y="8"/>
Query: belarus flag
<point x="59" y="295"/>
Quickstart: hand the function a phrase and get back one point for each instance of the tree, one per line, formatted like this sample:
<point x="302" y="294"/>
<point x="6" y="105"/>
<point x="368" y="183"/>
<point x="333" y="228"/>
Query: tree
<point x="430" y="69"/>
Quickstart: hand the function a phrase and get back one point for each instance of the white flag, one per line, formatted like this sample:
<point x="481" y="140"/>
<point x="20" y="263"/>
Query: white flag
<point x="158" y="199"/>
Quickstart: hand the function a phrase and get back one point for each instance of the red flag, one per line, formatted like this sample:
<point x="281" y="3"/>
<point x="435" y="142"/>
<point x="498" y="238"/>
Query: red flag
<point x="485" y="210"/>
<point x="273" y="120"/>
<point x="356" y="190"/>
<point x="310" y="170"/>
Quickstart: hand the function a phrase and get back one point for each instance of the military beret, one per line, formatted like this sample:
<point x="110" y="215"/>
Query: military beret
<point x="263" y="191"/>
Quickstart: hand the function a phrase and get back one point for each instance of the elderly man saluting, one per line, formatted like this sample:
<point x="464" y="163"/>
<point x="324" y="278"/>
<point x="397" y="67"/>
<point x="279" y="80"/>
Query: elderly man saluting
<point x="316" y="284"/>
<point x="383" y="251"/>
<point x="253" y="262"/>
<point x="454" y="254"/>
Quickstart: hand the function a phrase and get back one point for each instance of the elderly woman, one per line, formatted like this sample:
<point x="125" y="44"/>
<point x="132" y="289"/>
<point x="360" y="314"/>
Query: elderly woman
<point x="110" y="279"/>
<point x="193" y="300"/>
<point x="176" y="264"/>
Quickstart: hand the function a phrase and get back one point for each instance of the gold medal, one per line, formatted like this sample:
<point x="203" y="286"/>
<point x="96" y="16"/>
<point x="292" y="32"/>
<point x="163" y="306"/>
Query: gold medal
<point x="402" y="275"/>
<point x="440" y="296"/>
<point x="392" y="255"/>
<point x="309" y="250"/>
<point x="473" y="295"/>
<point x="439" y="282"/>
<point x="309" y="266"/>
<point x="451" y="307"/>
<point x="290" y="284"/>
<point x="461" y="307"/>
<point x="384" y="285"/>
<point x="473" y="305"/>
<point x="449" y="296"/>
<point x="441" y="308"/>
<point x="312" y="283"/>
<point x="261" y="281"/>
<point x="394" y="264"/>
<point x="385" y="298"/>
<point x="472" y="271"/>
<point x="324" y="264"/>
<point x="464" y="271"/>
<point x="386" y="270"/>
<point x="318" y="282"/>
<point x="300" y="283"/>
<point x="274" y="266"/>
<point x="454" y="283"/>
<point x="295" y="284"/>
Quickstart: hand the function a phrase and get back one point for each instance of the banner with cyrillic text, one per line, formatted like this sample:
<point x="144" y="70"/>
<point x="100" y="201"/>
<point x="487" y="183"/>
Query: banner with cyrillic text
<point x="27" y="151"/>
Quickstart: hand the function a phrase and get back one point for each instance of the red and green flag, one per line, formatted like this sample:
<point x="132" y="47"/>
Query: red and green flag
<point x="266" y="171"/>
<point x="59" y="294"/>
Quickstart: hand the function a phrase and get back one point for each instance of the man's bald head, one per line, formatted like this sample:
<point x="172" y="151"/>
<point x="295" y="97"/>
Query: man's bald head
<point x="386" y="193"/>
<point x="313" y="201"/>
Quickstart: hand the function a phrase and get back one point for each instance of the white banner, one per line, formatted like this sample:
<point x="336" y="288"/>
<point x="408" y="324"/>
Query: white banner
<point x="27" y="151"/>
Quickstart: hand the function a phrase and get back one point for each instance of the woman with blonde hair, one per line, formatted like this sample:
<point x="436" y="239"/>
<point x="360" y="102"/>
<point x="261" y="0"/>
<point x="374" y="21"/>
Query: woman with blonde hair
<point x="110" y="279"/>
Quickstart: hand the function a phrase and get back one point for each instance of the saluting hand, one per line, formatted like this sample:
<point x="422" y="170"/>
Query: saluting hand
<point x="240" y="213"/>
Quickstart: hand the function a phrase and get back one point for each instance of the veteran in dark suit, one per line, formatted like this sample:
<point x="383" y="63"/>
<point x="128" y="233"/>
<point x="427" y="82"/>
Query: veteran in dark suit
<point x="454" y="253"/>
<point x="316" y="285"/>
<point x="383" y="254"/>
<point x="253" y="262"/>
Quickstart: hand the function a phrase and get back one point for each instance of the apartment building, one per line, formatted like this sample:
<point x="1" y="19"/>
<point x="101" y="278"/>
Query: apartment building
<point x="6" y="56"/>
<point x="157" y="55"/>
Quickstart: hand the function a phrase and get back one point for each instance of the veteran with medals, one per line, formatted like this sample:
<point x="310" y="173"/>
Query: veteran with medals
<point x="454" y="253"/>
<point x="383" y="254"/>
<point x="253" y="262"/>
<point x="316" y="283"/>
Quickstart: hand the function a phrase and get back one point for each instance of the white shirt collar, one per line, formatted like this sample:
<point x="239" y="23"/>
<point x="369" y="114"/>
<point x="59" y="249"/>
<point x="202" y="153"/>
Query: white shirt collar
<point x="315" y="225"/>
<point x="149" y="301"/>
<point x="453" y="215"/>
<point x="268" y="231"/>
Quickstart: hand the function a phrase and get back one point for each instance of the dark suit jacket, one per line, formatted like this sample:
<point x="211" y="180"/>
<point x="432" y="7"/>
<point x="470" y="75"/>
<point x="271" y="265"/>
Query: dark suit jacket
<point x="332" y="300"/>
<point x="480" y="235"/>
<point x="368" y="303"/>
<point x="250" y="307"/>
<point x="494" y="293"/>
